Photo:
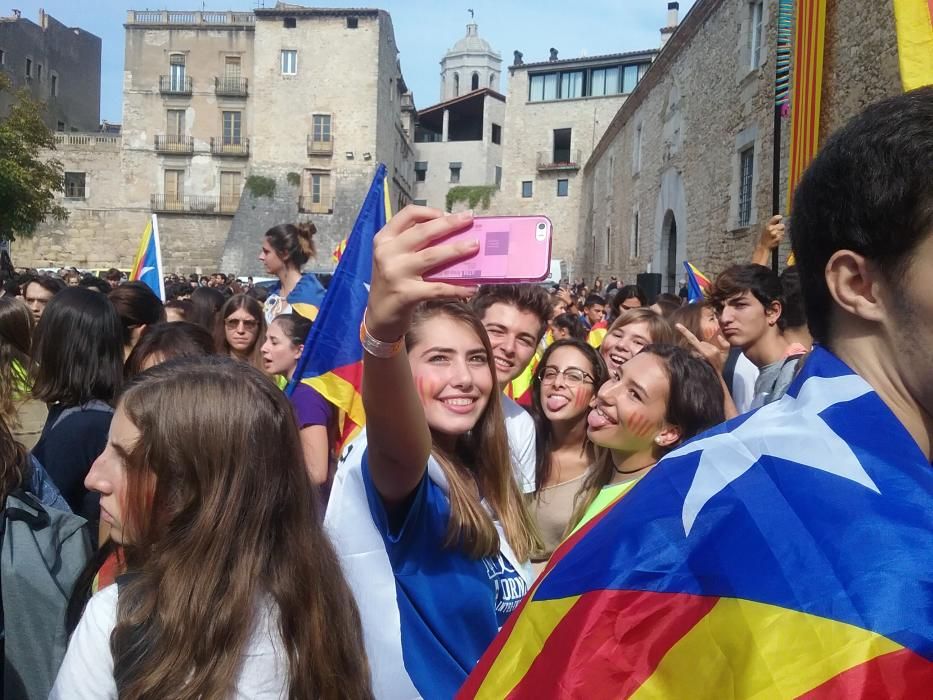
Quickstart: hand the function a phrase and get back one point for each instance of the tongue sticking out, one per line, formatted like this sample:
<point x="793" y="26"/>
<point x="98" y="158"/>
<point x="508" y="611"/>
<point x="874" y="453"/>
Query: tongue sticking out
<point x="555" y="403"/>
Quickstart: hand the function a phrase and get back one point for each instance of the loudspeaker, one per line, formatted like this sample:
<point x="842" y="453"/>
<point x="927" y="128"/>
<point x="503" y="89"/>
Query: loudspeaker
<point x="650" y="283"/>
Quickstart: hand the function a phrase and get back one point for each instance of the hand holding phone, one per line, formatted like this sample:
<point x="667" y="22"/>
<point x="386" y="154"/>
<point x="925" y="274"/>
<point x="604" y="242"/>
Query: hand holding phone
<point x="512" y="249"/>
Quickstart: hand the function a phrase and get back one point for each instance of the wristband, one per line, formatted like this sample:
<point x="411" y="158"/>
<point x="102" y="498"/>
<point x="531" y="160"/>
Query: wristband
<point x="376" y="347"/>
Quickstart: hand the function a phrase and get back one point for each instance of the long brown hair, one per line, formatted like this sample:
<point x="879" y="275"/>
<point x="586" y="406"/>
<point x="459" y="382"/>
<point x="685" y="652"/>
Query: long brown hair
<point x="481" y="462"/>
<point x="13" y="460"/>
<point x="254" y="309"/>
<point x="219" y="515"/>
<point x="694" y="404"/>
<point x="16" y="368"/>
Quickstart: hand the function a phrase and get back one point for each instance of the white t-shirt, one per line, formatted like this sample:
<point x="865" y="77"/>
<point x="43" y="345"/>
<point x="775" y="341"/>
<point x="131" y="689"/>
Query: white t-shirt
<point x="521" y="429"/>
<point x="87" y="671"/>
<point x="743" y="383"/>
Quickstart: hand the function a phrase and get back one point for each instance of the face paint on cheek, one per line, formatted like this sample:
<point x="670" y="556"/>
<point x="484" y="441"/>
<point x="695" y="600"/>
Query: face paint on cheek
<point x="639" y="425"/>
<point x="425" y="387"/>
<point x="581" y="398"/>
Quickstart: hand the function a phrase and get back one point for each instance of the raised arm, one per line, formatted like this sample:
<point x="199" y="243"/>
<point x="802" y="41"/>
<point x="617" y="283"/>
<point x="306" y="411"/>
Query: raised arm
<point x="772" y="233"/>
<point x="399" y="440"/>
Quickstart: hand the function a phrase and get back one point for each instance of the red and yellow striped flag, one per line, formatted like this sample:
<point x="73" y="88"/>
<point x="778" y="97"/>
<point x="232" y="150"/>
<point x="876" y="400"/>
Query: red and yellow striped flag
<point x="809" y="38"/>
<point x="914" y="20"/>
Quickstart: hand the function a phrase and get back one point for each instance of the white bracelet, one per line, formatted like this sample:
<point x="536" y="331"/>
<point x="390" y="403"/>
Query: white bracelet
<point x="376" y="347"/>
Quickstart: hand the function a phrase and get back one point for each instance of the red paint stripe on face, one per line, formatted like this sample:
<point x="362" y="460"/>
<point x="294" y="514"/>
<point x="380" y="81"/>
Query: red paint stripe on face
<point x="639" y="425"/>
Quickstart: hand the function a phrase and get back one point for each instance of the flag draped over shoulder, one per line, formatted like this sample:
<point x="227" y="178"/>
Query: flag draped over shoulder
<point x="147" y="267"/>
<point x="332" y="362"/>
<point x="785" y="553"/>
<point x="914" y="21"/>
<point x="698" y="284"/>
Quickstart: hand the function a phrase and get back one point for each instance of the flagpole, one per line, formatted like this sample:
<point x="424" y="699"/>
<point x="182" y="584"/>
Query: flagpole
<point x="781" y="97"/>
<point x="158" y="248"/>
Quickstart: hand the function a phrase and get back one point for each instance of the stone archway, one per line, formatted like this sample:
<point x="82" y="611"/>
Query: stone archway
<point x="669" y="269"/>
<point x="671" y="231"/>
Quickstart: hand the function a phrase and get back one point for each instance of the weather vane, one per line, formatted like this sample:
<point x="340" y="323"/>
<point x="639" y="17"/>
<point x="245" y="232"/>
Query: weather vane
<point x="471" y="13"/>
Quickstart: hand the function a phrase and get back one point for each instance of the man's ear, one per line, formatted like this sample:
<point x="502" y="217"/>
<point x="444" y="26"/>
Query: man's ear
<point x="773" y="312"/>
<point x="853" y="283"/>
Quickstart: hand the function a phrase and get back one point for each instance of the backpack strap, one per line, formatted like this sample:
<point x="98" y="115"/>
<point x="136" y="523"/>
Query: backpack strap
<point x="92" y="405"/>
<point x="36" y="516"/>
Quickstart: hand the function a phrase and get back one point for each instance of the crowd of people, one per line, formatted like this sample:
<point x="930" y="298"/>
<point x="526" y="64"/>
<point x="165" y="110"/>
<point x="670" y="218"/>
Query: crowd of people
<point x="178" y="526"/>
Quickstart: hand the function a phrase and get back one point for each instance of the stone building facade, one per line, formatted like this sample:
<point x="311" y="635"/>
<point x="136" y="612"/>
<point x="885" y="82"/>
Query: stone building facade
<point x="557" y="113"/>
<point x="59" y="65"/>
<point x="684" y="170"/>
<point x="216" y="100"/>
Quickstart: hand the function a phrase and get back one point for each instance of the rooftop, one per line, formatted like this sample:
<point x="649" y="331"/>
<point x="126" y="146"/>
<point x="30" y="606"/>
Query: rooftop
<point x="585" y="60"/>
<point x="472" y="43"/>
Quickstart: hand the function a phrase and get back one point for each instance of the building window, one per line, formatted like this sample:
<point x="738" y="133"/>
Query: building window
<point x="353" y="22"/>
<point x="421" y="170"/>
<point x="455" y="172"/>
<point x="492" y="80"/>
<point x="498" y="176"/>
<point x="543" y="86"/>
<point x="563" y="188"/>
<point x="754" y="33"/>
<point x="230" y="186"/>
<point x="289" y="22"/>
<point x="608" y="245"/>
<point x="39" y="72"/>
<point x="174" y="183"/>
<point x="527" y="189"/>
<point x="75" y="185"/>
<point x="636" y="150"/>
<point x="629" y="78"/>
<point x="496" y="133"/>
<point x="320" y="128"/>
<point x="456" y="84"/>
<point x="175" y="122"/>
<point x="61" y="126"/>
<point x="571" y="84"/>
<point x="54" y="80"/>
<point x="2" y="57"/>
<point x="289" y="62"/>
<point x="746" y="168"/>
<point x="176" y="64"/>
<point x="474" y="82"/>
<point x="28" y="67"/>
<point x="232" y="71"/>
<point x="604" y="81"/>
<point x="633" y="248"/>
<point x="232" y="126"/>
<point x="561" y="146"/>
<point x="316" y="189"/>
<point x="420" y="202"/>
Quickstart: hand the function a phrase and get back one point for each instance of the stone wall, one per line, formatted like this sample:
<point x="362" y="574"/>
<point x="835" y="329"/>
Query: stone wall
<point x="699" y="106"/>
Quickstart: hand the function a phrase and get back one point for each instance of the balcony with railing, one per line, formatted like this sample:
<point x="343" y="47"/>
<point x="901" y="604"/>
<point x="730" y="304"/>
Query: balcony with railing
<point x="319" y="147"/>
<point x="175" y="84"/>
<point x="559" y="160"/>
<point x="194" y="204"/>
<point x="232" y="147"/>
<point x="174" y="143"/>
<point x="316" y="205"/>
<point x="96" y="141"/>
<point x="187" y="18"/>
<point x="231" y="87"/>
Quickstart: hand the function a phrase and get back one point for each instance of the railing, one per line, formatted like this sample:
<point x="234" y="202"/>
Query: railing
<point x="568" y="160"/>
<point x="174" y="143"/>
<point x="320" y="148"/>
<point x="238" y="147"/>
<point x="324" y="205"/>
<point x="194" y="204"/>
<point x="189" y="18"/>
<point x="175" y="86"/>
<point x="230" y="87"/>
<point x="79" y="139"/>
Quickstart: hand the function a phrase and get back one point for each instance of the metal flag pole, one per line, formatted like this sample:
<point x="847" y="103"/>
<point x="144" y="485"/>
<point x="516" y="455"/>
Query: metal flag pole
<point x="785" y="19"/>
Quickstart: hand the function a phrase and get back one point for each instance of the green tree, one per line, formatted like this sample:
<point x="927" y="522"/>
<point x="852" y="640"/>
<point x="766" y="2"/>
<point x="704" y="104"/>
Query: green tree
<point x="28" y="181"/>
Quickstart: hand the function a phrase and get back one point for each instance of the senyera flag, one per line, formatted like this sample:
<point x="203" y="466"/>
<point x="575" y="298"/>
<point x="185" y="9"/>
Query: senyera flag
<point x="698" y="284"/>
<point x="914" y="22"/>
<point x="147" y="267"/>
<point x="332" y="362"/>
<point x="783" y="554"/>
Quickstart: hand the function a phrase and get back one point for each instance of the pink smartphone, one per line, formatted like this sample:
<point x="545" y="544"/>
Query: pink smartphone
<point x="512" y="249"/>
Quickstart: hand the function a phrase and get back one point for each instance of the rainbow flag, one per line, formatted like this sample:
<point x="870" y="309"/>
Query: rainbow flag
<point x="783" y="554"/>
<point x="147" y="266"/>
<point x="809" y="39"/>
<point x="698" y="284"/>
<point x="332" y="362"/>
<point x="914" y="21"/>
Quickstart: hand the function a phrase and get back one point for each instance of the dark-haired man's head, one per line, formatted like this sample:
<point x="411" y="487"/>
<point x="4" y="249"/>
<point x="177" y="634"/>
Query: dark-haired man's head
<point x="748" y="299"/>
<point x="594" y="309"/>
<point x="113" y="276"/>
<point x="794" y="313"/>
<point x="95" y="283"/>
<point x="862" y="232"/>
<point x="39" y="291"/>
<point x="515" y="317"/>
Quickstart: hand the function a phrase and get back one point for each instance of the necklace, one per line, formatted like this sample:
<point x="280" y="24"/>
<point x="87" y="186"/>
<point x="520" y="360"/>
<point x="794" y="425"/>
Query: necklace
<point x="634" y="471"/>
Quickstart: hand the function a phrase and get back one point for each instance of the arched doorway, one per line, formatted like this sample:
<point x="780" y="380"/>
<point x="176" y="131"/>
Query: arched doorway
<point x="669" y="253"/>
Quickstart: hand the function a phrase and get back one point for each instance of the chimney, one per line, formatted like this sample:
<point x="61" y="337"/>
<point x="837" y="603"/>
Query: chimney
<point x="553" y="56"/>
<point x="673" y="9"/>
<point x="518" y="58"/>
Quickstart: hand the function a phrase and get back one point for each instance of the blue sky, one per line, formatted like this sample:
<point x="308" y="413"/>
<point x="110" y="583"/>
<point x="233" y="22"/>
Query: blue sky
<point x="424" y="30"/>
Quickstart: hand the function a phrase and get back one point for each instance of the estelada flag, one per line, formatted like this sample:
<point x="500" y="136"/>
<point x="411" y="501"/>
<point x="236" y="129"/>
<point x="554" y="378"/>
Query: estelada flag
<point x="698" y="284"/>
<point x="332" y="362"/>
<point x="783" y="554"/>
<point x="147" y="267"/>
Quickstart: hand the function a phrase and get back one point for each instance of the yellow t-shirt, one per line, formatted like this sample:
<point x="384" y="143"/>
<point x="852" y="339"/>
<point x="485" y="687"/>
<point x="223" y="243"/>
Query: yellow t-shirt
<point x="604" y="499"/>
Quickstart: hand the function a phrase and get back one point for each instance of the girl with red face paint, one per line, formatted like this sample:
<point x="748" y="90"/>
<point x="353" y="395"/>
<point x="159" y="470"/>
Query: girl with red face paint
<point x="659" y="398"/>
<point x="563" y="393"/>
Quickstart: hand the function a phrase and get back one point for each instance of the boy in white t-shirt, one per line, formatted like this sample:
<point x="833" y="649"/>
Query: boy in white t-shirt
<point x="515" y="317"/>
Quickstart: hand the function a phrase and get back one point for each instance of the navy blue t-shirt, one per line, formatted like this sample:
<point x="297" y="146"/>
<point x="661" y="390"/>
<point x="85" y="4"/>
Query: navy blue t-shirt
<point x="450" y="606"/>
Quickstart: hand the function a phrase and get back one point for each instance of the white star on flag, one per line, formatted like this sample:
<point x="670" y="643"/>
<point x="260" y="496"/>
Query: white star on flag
<point x="775" y="430"/>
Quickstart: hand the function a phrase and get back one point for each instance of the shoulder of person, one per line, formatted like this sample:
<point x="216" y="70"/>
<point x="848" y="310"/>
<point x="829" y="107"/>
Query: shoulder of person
<point x="514" y="412"/>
